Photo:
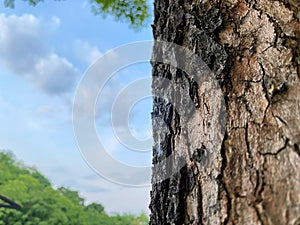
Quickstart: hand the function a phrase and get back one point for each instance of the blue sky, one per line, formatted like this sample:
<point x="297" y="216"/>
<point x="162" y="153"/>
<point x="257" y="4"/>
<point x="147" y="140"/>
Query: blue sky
<point x="44" y="53"/>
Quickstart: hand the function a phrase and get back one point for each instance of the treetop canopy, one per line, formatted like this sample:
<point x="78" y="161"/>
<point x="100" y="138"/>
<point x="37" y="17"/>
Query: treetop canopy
<point x="136" y="12"/>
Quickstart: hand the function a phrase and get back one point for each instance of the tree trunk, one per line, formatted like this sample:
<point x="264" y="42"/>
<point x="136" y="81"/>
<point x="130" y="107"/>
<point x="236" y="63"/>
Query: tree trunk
<point x="253" y="175"/>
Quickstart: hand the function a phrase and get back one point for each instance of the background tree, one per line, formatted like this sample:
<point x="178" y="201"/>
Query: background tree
<point x="95" y="206"/>
<point x="133" y="11"/>
<point x="41" y="204"/>
<point x="72" y="195"/>
<point x="254" y="176"/>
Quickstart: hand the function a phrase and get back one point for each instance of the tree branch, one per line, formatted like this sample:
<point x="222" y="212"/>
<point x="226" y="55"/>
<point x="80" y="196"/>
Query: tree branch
<point x="10" y="204"/>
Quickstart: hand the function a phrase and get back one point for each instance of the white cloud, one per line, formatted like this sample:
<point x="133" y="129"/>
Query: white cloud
<point x="85" y="52"/>
<point x="21" y="42"/>
<point x="54" y="74"/>
<point x="94" y="188"/>
<point x="105" y="96"/>
<point x="24" y="51"/>
<point x="52" y="111"/>
<point x="46" y="110"/>
<point x="134" y="200"/>
<point x="55" y="21"/>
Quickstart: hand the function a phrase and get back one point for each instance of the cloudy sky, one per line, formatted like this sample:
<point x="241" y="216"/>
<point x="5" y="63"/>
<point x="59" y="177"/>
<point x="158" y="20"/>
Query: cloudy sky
<point x="45" y="53"/>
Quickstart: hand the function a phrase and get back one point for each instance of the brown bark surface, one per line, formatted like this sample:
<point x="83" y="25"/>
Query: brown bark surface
<point x="253" y="176"/>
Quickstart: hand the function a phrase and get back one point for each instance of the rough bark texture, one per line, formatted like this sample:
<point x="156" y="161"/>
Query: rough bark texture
<point x="254" y="176"/>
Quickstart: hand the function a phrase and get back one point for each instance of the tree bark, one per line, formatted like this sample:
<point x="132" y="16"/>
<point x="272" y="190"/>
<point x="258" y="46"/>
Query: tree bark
<point x="253" y="176"/>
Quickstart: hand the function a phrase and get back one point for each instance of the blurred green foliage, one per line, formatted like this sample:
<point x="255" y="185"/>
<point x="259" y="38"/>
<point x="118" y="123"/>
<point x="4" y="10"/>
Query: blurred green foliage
<point x="136" y="12"/>
<point x="44" y="205"/>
